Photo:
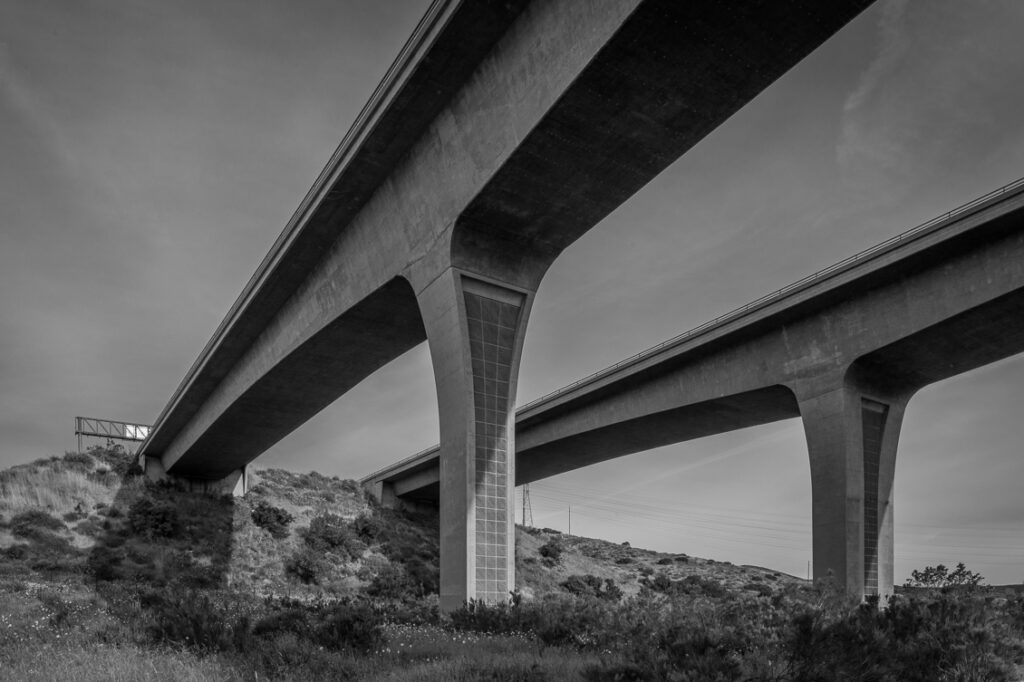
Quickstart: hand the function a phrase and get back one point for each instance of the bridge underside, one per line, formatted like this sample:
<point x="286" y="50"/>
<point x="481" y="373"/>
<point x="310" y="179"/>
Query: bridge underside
<point x="368" y="336"/>
<point x="507" y="151"/>
<point x="847" y="360"/>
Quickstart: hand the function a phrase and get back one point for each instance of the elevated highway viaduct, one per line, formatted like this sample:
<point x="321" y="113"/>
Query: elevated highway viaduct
<point x="503" y="132"/>
<point x="844" y="350"/>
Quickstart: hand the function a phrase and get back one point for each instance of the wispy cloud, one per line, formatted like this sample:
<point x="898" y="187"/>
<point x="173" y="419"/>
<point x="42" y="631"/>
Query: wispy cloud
<point x="926" y="99"/>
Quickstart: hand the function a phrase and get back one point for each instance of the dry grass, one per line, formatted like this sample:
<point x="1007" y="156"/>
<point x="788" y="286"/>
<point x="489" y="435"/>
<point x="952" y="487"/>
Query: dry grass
<point x="54" y="489"/>
<point x="627" y="566"/>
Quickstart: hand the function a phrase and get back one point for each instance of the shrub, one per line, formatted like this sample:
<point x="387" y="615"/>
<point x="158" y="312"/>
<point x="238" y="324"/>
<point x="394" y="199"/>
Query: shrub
<point x="424" y="578"/>
<point x="154" y="519"/>
<point x="78" y="461"/>
<point x="347" y="626"/>
<point x="307" y="565"/>
<point x="760" y="588"/>
<point x="369" y="528"/>
<point x="592" y="586"/>
<point x="195" y="620"/>
<point x="699" y="586"/>
<point x="29" y="524"/>
<point x="660" y="583"/>
<point x="105" y="563"/>
<point x="272" y="519"/>
<point x="390" y="582"/>
<point x="551" y="551"/>
<point x="941" y="577"/>
<point x="335" y="627"/>
<point x="15" y="552"/>
<point x="120" y="463"/>
<point x="330" y="533"/>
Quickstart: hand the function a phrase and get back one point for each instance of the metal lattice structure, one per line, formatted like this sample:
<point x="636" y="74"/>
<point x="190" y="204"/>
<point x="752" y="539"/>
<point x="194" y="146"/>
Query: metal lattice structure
<point x="113" y="430"/>
<point x="527" y="507"/>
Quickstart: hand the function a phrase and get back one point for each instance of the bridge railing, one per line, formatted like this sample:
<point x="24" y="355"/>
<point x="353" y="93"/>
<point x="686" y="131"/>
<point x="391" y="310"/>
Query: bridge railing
<point x="778" y="294"/>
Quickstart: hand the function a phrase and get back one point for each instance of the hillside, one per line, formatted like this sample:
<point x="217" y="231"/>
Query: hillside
<point x="78" y="512"/>
<point x="105" y="576"/>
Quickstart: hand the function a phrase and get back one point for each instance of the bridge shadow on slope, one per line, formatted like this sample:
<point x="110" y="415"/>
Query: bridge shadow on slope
<point x="158" y="534"/>
<point x="162" y="536"/>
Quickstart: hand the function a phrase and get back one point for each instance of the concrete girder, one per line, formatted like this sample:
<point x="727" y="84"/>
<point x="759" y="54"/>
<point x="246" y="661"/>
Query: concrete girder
<point x="845" y="355"/>
<point x="556" y="113"/>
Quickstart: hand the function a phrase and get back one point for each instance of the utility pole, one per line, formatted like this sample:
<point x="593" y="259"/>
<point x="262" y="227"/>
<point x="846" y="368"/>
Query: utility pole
<point x="570" y="520"/>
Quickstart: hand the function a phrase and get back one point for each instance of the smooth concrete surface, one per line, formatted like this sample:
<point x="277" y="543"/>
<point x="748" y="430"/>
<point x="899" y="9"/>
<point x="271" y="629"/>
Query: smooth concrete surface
<point x="502" y="134"/>
<point x="476" y="329"/>
<point x="944" y="302"/>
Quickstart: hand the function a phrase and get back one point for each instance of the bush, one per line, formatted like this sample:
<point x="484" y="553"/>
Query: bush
<point x="760" y="588"/>
<point x="369" y="528"/>
<point x="660" y="583"/>
<point x="335" y="627"/>
<point x="29" y="524"/>
<point x="272" y="519"/>
<point x="194" y="620"/>
<point x="15" y="552"/>
<point x="391" y="582"/>
<point x="307" y="565"/>
<point x="347" y="626"/>
<point x="330" y="533"/>
<point x="551" y="551"/>
<point x="592" y="586"/>
<point x="121" y="464"/>
<point x="105" y="563"/>
<point x="79" y="461"/>
<point x="942" y="578"/>
<point x="154" y="519"/>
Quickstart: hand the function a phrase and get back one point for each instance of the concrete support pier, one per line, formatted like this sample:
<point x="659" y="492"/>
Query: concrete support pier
<point x="475" y="328"/>
<point x="852" y="428"/>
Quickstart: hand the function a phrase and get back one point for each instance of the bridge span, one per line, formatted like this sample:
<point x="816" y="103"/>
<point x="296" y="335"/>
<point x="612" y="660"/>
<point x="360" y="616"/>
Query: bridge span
<point x="502" y="133"/>
<point x="844" y="349"/>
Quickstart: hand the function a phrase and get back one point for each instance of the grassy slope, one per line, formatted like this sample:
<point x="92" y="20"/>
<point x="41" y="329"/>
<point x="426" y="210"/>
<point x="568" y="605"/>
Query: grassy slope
<point x="77" y="540"/>
<point x="93" y="506"/>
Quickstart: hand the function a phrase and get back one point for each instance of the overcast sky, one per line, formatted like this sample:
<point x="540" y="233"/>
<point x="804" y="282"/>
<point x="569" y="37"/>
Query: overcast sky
<point x="151" y="151"/>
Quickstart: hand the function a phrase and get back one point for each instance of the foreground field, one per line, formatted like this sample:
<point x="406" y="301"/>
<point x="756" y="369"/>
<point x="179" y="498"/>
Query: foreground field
<point x="104" y="576"/>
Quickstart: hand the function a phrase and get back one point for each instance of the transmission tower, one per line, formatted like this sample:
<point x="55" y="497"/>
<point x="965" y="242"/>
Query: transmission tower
<point x="527" y="509"/>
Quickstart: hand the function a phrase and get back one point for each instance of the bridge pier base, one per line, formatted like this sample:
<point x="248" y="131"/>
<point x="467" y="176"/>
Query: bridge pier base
<point x="475" y="328"/>
<point x="852" y="430"/>
<point x="235" y="483"/>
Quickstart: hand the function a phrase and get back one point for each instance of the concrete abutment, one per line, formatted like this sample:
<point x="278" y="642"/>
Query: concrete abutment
<point x="236" y="483"/>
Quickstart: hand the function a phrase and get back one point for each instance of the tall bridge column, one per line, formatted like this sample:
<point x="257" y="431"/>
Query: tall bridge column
<point x="475" y="329"/>
<point x="852" y="430"/>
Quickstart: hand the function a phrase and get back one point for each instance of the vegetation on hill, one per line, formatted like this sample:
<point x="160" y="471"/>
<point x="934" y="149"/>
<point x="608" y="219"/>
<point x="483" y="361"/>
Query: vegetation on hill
<point x="104" y="575"/>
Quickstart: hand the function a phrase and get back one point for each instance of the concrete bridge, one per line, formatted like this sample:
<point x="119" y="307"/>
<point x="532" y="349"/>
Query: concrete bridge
<point x="503" y="132"/>
<point x="844" y="349"/>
